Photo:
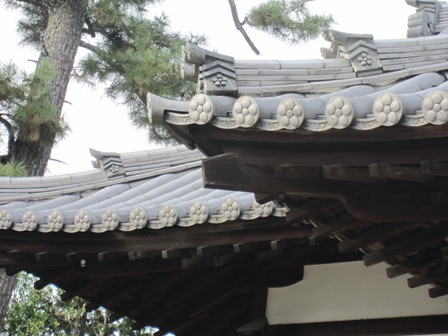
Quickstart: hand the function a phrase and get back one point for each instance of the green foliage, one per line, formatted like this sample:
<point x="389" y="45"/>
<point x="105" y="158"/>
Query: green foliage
<point x="25" y="101"/>
<point x="12" y="169"/>
<point x="144" y="58"/>
<point x="33" y="312"/>
<point x="288" y="20"/>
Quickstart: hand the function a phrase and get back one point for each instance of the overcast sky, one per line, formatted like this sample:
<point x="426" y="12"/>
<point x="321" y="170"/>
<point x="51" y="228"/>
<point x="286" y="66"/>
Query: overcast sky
<point x="98" y="123"/>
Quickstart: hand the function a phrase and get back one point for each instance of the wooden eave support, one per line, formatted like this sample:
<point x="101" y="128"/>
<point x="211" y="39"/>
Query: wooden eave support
<point x="111" y="294"/>
<point x="147" y="299"/>
<point x="437" y="291"/>
<point x="437" y="275"/>
<point x="332" y="227"/>
<point x="429" y="258"/>
<point x="53" y="276"/>
<point x="314" y="207"/>
<point x="415" y="243"/>
<point x="80" y="289"/>
<point x="376" y="233"/>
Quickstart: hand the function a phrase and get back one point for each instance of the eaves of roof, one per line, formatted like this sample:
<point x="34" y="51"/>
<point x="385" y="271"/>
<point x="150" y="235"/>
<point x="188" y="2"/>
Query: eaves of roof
<point x="131" y="191"/>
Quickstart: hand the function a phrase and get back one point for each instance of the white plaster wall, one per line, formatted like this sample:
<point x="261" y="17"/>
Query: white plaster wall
<point x="349" y="291"/>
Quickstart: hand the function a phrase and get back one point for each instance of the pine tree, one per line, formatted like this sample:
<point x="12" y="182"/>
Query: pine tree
<point x="119" y="38"/>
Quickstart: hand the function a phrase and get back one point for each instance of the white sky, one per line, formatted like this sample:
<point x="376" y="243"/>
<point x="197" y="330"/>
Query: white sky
<point x="98" y="123"/>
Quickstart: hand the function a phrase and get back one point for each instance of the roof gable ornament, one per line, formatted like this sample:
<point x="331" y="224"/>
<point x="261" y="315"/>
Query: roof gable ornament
<point x="214" y="72"/>
<point x="110" y="162"/>
<point x="359" y="49"/>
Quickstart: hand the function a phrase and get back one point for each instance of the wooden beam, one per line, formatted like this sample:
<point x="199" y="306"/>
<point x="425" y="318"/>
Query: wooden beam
<point x="52" y="276"/>
<point x="339" y="224"/>
<point x="80" y="289"/>
<point x="423" y="325"/>
<point x="214" y="250"/>
<point x="300" y="137"/>
<point x="114" y="292"/>
<point x="378" y="232"/>
<point x="434" y="168"/>
<point x="228" y="172"/>
<point x="353" y="174"/>
<point x="146" y="298"/>
<point x="438" y="274"/>
<point x="398" y="207"/>
<point x="429" y="258"/>
<point x="402" y="173"/>
<point x="249" y="248"/>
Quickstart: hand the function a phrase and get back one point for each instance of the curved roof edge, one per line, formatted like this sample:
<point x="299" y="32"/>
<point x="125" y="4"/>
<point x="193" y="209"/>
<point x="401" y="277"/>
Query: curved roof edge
<point x="148" y="189"/>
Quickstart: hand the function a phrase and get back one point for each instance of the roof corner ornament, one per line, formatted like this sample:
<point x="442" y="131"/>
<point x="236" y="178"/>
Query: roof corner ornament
<point x="359" y="49"/>
<point x="214" y="72"/>
<point x="426" y="18"/>
<point x="159" y="109"/>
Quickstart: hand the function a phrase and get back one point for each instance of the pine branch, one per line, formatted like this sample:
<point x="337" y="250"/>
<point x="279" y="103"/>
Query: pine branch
<point x="239" y="26"/>
<point x="90" y="47"/>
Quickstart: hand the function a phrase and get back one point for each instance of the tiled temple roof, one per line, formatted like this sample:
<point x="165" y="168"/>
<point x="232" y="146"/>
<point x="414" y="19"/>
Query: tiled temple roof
<point x="149" y="189"/>
<point x="361" y="83"/>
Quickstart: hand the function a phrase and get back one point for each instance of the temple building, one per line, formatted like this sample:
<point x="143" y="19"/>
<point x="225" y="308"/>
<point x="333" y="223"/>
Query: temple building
<point x="309" y="197"/>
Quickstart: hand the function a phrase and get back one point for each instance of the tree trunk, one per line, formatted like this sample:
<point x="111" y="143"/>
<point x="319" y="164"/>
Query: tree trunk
<point x="80" y="325"/>
<point x="61" y="41"/>
<point x="6" y="287"/>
